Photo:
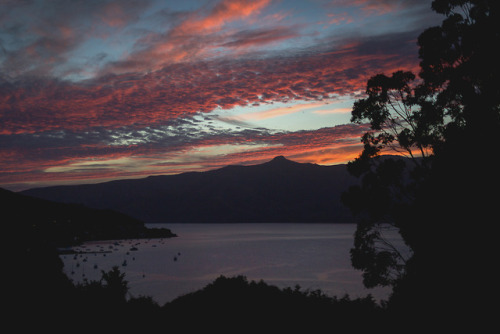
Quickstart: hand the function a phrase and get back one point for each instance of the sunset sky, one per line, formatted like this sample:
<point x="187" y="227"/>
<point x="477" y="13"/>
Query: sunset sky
<point x="96" y="90"/>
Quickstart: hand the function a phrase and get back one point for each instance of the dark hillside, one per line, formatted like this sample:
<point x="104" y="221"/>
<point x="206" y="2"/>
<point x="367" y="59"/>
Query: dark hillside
<point x="62" y="224"/>
<point x="277" y="191"/>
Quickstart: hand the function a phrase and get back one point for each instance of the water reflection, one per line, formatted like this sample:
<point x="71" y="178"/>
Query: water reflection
<point x="314" y="256"/>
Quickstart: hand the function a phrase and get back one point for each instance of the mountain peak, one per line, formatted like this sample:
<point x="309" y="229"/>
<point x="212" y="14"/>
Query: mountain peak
<point x="279" y="158"/>
<point x="280" y="161"/>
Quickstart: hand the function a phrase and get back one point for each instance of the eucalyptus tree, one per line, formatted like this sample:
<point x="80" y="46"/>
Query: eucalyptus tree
<point x="446" y="120"/>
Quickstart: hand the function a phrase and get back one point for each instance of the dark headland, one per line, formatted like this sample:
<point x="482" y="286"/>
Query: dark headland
<point x="57" y="224"/>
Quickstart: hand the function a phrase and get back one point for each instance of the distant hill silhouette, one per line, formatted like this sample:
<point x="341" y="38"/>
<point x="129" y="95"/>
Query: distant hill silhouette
<point x="276" y="191"/>
<point x="59" y="224"/>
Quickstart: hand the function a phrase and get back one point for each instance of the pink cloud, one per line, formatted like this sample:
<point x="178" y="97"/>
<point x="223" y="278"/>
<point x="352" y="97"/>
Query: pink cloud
<point x="333" y="111"/>
<point x="371" y="6"/>
<point x="177" y="90"/>
<point x="73" y="162"/>
<point x="143" y="109"/>
<point x="276" y="112"/>
<point x="259" y="37"/>
<point x="223" y="13"/>
<point x="339" y="18"/>
<point x="193" y="38"/>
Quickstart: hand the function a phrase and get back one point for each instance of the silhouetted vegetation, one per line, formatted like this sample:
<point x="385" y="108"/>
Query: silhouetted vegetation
<point x="447" y="122"/>
<point x="225" y="305"/>
<point x="33" y="229"/>
<point x="443" y="206"/>
<point x="236" y="304"/>
<point x="41" y="293"/>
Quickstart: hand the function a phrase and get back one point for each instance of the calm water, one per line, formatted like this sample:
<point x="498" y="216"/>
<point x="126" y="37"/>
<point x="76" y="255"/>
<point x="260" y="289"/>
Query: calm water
<point x="314" y="256"/>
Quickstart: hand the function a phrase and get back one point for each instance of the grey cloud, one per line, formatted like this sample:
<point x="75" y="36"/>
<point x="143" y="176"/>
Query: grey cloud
<point x="37" y="36"/>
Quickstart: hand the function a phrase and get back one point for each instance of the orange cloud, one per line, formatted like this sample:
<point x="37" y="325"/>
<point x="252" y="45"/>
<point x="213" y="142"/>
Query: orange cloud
<point x="180" y="90"/>
<point x="194" y="38"/>
<point x="224" y="12"/>
<point x="333" y="111"/>
<point x="371" y="6"/>
<point x="72" y="162"/>
<point x="276" y="112"/>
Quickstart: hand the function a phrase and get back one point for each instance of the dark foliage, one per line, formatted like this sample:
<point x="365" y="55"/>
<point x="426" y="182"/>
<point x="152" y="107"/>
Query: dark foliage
<point x="446" y="217"/>
<point x="445" y="210"/>
<point x="226" y="305"/>
<point x="35" y="286"/>
<point x="40" y="293"/>
<point x="235" y="304"/>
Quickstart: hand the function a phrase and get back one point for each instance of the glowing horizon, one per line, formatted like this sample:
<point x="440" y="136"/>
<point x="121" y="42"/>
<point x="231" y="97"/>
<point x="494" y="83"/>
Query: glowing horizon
<point x="94" y="91"/>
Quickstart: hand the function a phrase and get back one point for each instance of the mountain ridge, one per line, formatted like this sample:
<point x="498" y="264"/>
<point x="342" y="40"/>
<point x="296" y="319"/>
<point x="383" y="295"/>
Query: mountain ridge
<point x="279" y="190"/>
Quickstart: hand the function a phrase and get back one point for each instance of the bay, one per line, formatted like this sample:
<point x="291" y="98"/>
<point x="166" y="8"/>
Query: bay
<point x="313" y="256"/>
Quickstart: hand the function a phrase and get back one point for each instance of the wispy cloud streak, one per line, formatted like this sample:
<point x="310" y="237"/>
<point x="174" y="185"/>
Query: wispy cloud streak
<point x="28" y="159"/>
<point x="187" y="88"/>
<point x="95" y="90"/>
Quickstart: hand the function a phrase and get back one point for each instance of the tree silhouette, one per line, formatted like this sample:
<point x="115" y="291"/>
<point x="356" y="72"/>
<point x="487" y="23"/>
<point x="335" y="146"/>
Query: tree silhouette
<point x="447" y="121"/>
<point x="115" y="284"/>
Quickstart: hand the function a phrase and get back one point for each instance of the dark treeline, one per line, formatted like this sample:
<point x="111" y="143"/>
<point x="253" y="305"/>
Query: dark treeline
<point x="39" y="292"/>
<point x="226" y="305"/>
<point x="36" y="288"/>
<point x="447" y="120"/>
<point x="445" y="213"/>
